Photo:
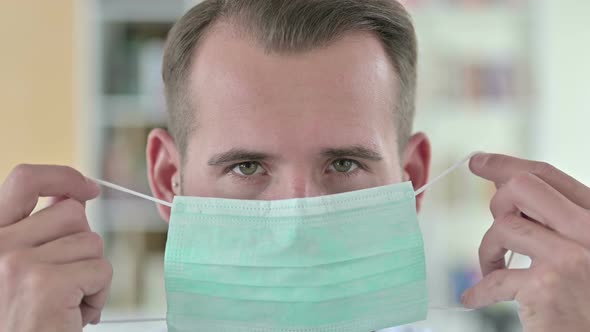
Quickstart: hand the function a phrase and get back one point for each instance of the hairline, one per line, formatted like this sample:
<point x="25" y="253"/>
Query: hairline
<point x="404" y="104"/>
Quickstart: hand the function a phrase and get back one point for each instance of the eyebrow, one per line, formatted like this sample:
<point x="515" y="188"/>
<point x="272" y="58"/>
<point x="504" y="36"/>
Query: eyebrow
<point x="357" y="151"/>
<point x="235" y="155"/>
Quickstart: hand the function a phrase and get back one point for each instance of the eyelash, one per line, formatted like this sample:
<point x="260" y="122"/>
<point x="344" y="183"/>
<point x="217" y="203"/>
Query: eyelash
<point x="360" y="166"/>
<point x="230" y="172"/>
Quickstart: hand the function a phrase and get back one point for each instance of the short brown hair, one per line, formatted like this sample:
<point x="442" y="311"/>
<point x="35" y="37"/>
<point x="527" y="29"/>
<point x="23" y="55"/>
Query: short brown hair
<point x="290" y="26"/>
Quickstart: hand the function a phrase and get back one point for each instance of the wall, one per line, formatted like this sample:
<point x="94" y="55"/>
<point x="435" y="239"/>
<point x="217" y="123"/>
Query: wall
<point x="563" y="46"/>
<point x="36" y="82"/>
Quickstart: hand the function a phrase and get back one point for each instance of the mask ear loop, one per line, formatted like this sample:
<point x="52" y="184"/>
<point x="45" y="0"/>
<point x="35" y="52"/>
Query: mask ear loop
<point x="149" y="198"/>
<point x="131" y="192"/>
<point x="428" y="185"/>
<point x="445" y="173"/>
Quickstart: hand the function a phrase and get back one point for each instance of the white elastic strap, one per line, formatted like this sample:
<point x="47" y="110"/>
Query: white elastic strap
<point x="131" y="192"/>
<point x="159" y="201"/>
<point x="445" y="173"/>
<point x="442" y="175"/>
<point x="510" y="257"/>
<point x="149" y="198"/>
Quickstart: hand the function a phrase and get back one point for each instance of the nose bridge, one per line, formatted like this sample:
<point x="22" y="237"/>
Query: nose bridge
<point x="305" y="187"/>
<point x="299" y="182"/>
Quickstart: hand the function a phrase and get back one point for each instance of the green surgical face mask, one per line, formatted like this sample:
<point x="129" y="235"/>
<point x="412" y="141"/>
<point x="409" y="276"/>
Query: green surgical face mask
<point x="350" y="262"/>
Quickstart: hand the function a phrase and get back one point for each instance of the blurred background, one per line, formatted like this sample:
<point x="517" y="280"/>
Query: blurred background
<point x="80" y="85"/>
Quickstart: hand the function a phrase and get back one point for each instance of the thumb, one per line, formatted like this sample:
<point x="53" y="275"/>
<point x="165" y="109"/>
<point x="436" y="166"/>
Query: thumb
<point x="499" y="285"/>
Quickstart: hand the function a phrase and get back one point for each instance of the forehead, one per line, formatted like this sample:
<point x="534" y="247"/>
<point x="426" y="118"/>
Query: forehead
<point x="345" y="90"/>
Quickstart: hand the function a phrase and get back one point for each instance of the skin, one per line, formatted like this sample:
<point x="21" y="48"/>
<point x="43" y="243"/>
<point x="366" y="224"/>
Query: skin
<point x="300" y="112"/>
<point x="295" y="117"/>
<point x="543" y="213"/>
<point x="53" y="274"/>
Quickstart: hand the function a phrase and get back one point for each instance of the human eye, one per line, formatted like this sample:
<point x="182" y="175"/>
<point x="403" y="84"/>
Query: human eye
<point x="247" y="169"/>
<point x="345" y="166"/>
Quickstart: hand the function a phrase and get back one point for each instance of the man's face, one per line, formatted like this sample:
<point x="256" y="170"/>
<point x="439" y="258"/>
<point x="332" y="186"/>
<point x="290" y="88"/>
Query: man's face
<point x="276" y="126"/>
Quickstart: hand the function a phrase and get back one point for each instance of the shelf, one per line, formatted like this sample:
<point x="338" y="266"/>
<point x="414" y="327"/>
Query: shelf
<point x="137" y="11"/>
<point x="454" y="30"/>
<point x="457" y="128"/>
<point x="465" y="108"/>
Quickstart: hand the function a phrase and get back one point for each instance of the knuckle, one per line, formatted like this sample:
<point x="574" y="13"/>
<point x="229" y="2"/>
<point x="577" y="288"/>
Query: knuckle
<point x="514" y="225"/>
<point x="540" y="279"/>
<point x="495" y="280"/>
<point x="74" y="215"/>
<point x="495" y="202"/>
<point x="35" y="279"/>
<point x="11" y="265"/>
<point x="104" y="267"/>
<point x="491" y="251"/>
<point x="529" y="295"/>
<point x="549" y="280"/>
<point x="519" y="180"/>
<point x="544" y="169"/>
<point x="6" y="241"/>
<point x="21" y="173"/>
<point x="486" y="242"/>
<point x="574" y="258"/>
<point x="73" y="174"/>
<point x="74" y="208"/>
<point x="545" y="288"/>
<point x="94" y="242"/>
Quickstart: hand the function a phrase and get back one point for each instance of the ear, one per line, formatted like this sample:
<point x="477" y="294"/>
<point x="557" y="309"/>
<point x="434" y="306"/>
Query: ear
<point x="163" y="162"/>
<point x="416" y="163"/>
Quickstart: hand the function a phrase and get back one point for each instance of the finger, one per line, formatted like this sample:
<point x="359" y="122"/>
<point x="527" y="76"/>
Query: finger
<point x="91" y="278"/>
<point x="64" y="218"/>
<point x="69" y="249"/>
<point x="97" y="319"/>
<point x="501" y="285"/>
<point x="530" y="195"/>
<point x="89" y="314"/>
<point x="520" y="235"/>
<point x="26" y="183"/>
<point x="94" y="304"/>
<point x="500" y="168"/>
<point x="54" y="200"/>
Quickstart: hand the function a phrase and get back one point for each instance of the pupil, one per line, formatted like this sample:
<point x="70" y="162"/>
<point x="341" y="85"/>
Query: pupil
<point x="343" y="165"/>
<point x="248" y="167"/>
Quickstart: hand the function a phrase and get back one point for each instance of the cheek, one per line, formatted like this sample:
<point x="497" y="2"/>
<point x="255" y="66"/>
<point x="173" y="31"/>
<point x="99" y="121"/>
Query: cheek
<point x="221" y="185"/>
<point x="336" y="184"/>
<point x="197" y="186"/>
<point x="229" y="186"/>
<point x="196" y="181"/>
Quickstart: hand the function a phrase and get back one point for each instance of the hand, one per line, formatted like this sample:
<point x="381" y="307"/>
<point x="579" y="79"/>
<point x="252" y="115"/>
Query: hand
<point x="543" y="213"/>
<point x="53" y="276"/>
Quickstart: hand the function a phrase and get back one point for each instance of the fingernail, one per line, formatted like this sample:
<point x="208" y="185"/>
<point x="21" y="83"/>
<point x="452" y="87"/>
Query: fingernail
<point x="96" y="320"/>
<point x="479" y="160"/>
<point x="95" y="185"/>
<point x="464" y="297"/>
